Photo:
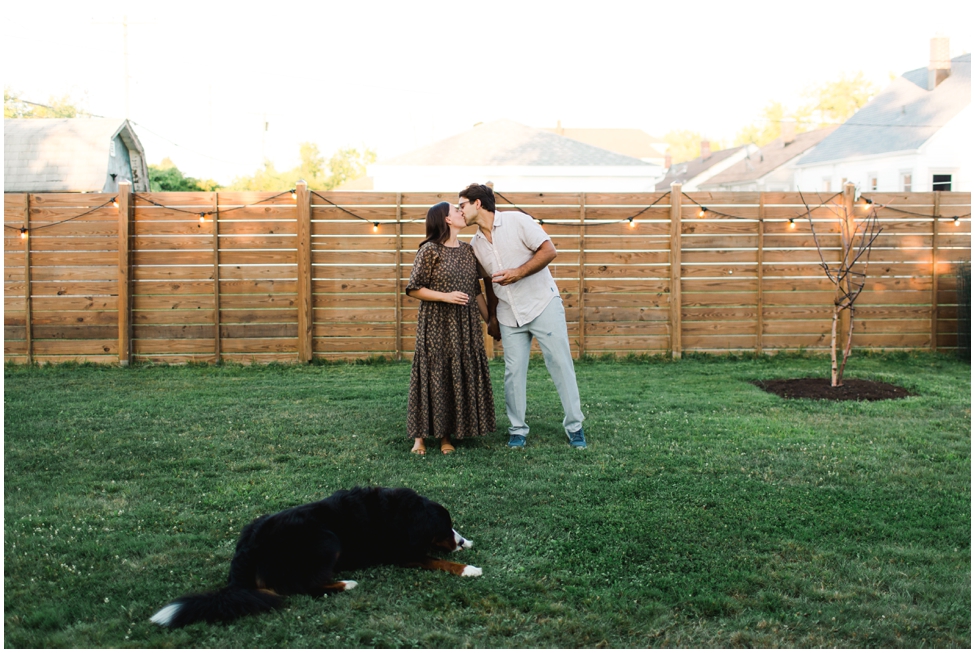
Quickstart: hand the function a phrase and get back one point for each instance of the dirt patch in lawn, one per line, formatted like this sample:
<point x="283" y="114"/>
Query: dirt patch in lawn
<point x="819" y="388"/>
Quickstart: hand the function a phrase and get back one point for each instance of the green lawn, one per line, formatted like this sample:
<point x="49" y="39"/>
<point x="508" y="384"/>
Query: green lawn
<point x="705" y="512"/>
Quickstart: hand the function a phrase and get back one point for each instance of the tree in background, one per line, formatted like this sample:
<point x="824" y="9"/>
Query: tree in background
<point x="685" y="144"/>
<point x="63" y="107"/>
<point x="167" y="177"/>
<point x="831" y="103"/>
<point x="344" y="165"/>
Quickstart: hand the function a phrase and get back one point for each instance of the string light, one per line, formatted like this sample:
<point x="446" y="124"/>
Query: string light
<point x="294" y="194"/>
<point x="632" y="223"/>
<point x="23" y="233"/>
<point x="115" y="202"/>
<point x="956" y="220"/>
<point x="792" y="223"/>
<point x="701" y="213"/>
<point x="375" y="227"/>
<point x="203" y="218"/>
<point x="541" y="223"/>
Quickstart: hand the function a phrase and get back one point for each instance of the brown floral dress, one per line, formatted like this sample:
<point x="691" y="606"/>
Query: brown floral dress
<point x="450" y="383"/>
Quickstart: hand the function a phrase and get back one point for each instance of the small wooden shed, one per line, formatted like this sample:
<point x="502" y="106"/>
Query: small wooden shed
<point x="83" y="155"/>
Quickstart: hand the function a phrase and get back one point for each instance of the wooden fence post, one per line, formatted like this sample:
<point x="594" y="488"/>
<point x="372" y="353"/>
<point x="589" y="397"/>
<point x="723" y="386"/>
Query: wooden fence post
<point x="760" y="304"/>
<point x="125" y="214"/>
<point x="675" y="265"/>
<point x="582" y="275"/>
<point x="398" y="313"/>
<point x="217" y="345"/>
<point x="305" y="321"/>
<point x="934" y="270"/>
<point x="28" y="317"/>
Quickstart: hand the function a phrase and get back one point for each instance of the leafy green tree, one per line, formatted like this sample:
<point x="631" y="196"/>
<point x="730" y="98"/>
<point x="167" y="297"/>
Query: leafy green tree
<point x="344" y="165"/>
<point x="167" y="177"/>
<point x="63" y="107"/>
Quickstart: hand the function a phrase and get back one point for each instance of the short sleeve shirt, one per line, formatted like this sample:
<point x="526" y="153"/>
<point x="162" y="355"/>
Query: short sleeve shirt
<point x="516" y="237"/>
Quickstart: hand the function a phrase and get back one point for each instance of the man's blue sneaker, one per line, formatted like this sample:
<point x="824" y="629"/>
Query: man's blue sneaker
<point x="516" y="442"/>
<point x="577" y="440"/>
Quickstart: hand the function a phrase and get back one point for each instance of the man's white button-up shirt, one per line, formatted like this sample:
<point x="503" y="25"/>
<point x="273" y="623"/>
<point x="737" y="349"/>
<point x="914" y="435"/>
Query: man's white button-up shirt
<point x="516" y="237"/>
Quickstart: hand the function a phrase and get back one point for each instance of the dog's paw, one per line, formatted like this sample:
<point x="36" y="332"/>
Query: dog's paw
<point x="349" y="585"/>
<point x="467" y="544"/>
<point x="470" y="570"/>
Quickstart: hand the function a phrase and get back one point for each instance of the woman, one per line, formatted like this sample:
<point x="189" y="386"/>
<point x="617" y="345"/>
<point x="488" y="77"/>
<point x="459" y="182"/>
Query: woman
<point x="450" y="384"/>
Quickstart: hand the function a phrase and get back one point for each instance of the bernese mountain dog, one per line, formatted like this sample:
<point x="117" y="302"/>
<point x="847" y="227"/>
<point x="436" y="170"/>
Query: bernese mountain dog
<point x="297" y="551"/>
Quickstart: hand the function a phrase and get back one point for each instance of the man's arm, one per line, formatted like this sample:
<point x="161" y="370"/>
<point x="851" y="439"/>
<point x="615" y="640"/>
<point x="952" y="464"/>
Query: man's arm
<point x="544" y="255"/>
<point x="494" y="329"/>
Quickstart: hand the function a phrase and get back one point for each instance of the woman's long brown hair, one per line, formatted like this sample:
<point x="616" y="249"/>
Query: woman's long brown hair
<point x="438" y="231"/>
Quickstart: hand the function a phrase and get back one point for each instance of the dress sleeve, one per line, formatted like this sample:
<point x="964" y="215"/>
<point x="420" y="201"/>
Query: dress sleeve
<point x="422" y="268"/>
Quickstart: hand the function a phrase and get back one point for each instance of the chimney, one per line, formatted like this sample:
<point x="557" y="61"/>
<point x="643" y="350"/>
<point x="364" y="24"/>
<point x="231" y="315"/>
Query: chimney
<point x="668" y="160"/>
<point x="705" y="149"/>
<point x="788" y="131"/>
<point x="940" y="66"/>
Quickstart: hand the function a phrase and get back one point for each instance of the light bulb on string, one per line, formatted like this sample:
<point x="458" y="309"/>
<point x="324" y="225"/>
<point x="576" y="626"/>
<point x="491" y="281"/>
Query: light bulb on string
<point x="792" y="223"/>
<point x="115" y="202"/>
<point x="203" y="218"/>
<point x="375" y="227"/>
<point x="23" y="233"/>
<point x="294" y="194"/>
<point x="703" y="210"/>
<point x="956" y="220"/>
<point x="632" y="222"/>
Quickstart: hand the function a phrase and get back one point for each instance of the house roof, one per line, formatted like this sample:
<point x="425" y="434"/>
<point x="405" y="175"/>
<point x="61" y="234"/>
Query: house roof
<point x="683" y="172"/>
<point x="630" y="142"/>
<point x="65" y="154"/>
<point x="902" y="117"/>
<point x="768" y="158"/>
<point x="508" y="143"/>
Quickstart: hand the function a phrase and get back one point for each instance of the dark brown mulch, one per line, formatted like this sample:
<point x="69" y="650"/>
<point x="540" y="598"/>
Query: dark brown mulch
<point x="819" y="388"/>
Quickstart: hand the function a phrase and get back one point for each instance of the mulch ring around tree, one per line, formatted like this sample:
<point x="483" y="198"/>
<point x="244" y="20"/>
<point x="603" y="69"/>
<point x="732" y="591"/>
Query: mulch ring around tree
<point x="819" y="388"/>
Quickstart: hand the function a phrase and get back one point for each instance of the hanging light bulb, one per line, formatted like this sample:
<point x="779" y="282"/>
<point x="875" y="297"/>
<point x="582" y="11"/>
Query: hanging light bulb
<point x="703" y="210"/>
<point x="23" y="233"/>
<point x="632" y="222"/>
<point x="957" y="220"/>
<point x="792" y="223"/>
<point x="115" y="202"/>
<point x="375" y="227"/>
<point x="294" y="194"/>
<point x="203" y="218"/>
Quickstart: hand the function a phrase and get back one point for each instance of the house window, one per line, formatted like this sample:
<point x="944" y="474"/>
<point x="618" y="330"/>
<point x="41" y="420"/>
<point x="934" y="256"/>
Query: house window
<point x="906" y="182"/>
<point x="827" y="184"/>
<point x="111" y="151"/>
<point x="872" y="181"/>
<point x="941" y="182"/>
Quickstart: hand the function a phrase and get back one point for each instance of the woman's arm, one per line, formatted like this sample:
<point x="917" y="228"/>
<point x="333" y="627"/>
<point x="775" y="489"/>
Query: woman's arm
<point x="482" y="307"/>
<point x="427" y="295"/>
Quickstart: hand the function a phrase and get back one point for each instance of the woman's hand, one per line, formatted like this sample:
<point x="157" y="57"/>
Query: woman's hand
<point x="456" y="297"/>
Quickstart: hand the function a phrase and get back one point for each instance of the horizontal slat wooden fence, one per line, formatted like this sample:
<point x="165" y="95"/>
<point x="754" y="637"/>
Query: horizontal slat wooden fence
<point x="288" y="277"/>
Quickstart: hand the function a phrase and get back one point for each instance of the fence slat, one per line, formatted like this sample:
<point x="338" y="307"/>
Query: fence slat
<point x="675" y="269"/>
<point x="126" y="212"/>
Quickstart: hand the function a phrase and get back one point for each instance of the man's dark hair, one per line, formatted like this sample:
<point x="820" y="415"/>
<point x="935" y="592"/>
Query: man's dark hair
<point x="481" y="192"/>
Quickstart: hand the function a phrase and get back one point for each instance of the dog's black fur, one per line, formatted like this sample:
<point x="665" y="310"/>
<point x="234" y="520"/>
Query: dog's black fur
<point x="297" y="551"/>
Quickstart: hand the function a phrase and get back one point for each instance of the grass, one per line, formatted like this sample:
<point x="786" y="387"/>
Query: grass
<point x="706" y="513"/>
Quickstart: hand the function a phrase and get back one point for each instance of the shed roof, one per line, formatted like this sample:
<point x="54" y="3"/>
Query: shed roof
<point x="768" y="158"/>
<point x="902" y="117"/>
<point x="508" y="143"/>
<point x="683" y="172"/>
<point x="66" y="154"/>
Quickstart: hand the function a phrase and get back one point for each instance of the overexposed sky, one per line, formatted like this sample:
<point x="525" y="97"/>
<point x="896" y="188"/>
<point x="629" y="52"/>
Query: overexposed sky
<point x="395" y="76"/>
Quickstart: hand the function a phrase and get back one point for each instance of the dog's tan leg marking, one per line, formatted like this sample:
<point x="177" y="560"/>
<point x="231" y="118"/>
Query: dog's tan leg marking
<point x="446" y="565"/>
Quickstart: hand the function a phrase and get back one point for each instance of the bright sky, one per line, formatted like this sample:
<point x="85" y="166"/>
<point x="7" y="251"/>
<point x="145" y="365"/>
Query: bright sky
<point x="396" y="76"/>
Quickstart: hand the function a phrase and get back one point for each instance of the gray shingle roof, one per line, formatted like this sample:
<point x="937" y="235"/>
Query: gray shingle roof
<point x="66" y="154"/>
<point x="902" y="117"/>
<point x="508" y="143"/>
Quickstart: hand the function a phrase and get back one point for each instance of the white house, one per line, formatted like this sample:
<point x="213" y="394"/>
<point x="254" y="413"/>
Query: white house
<point x="86" y="155"/>
<point x="772" y="167"/>
<point x="516" y="158"/>
<point x="692" y="174"/>
<point x="916" y="135"/>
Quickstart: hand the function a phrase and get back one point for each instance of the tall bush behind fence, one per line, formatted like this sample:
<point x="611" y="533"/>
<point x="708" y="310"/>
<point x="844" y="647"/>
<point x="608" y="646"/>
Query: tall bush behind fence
<point x="290" y="277"/>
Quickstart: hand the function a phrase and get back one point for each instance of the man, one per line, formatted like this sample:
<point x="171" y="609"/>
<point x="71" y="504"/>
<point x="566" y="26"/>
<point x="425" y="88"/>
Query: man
<point x="516" y="252"/>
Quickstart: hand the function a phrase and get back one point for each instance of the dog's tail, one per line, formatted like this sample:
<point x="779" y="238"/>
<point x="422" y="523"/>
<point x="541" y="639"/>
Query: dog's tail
<point x="226" y="604"/>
